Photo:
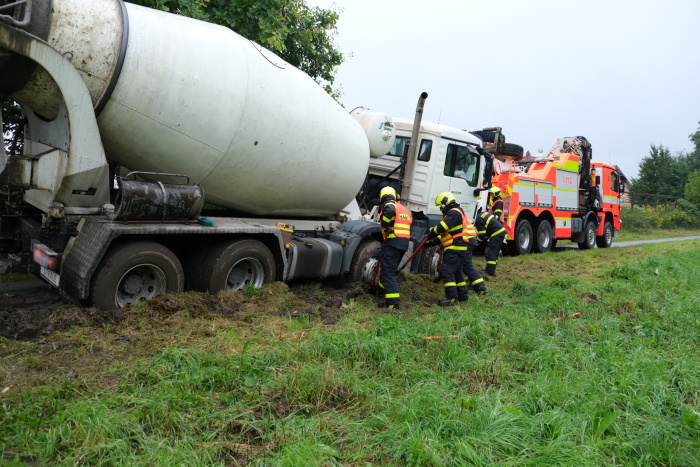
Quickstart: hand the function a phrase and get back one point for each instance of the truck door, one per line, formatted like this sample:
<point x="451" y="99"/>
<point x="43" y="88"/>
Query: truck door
<point x="462" y="164"/>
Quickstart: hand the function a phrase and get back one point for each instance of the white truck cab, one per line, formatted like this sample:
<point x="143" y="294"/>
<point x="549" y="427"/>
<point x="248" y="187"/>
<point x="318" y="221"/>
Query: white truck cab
<point x="448" y="159"/>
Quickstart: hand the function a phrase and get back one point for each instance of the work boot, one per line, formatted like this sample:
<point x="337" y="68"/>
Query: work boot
<point x="481" y="291"/>
<point x="394" y="306"/>
<point x="446" y="302"/>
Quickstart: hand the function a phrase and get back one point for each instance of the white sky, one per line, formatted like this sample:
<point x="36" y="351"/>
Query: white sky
<point x="623" y="73"/>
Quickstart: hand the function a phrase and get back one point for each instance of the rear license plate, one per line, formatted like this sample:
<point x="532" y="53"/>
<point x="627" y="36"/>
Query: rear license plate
<point x="53" y="278"/>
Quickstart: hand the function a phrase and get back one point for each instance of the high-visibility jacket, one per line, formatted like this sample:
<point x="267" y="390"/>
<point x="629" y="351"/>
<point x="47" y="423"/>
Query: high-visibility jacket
<point x="497" y="208"/>
<point x="488" y="226"/>
<point x="455" y="230"/>
<point x="397" y="222"/>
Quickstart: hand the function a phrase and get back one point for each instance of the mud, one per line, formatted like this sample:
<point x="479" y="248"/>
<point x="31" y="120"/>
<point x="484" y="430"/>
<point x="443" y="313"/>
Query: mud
<point x="32" y="310"/>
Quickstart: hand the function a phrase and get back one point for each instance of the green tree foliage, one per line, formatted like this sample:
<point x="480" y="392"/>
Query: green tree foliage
<point x="301" y="35"/>
<point x="661" y="173"/>
<point x="692" y="188"/>
<point x="11" y="121"/>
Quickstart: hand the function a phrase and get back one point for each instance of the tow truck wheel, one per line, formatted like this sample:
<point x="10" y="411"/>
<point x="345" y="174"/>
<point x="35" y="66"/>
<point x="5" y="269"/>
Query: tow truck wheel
<point x="133" y="272"/>
<point x="522" y="245"/>
<point x="605" y="240"/>
<point x="589" y="238"/>
<point x="365" y="261"/>
<point x="543" y="237"/>
<point x="237" y="265"/>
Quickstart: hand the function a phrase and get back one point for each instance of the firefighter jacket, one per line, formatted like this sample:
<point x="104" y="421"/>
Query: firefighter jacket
<point x="487" y="226"/>
<point x="496" y="208"/>
<point x="454" y="230"/>
<point x="395" y="221"/>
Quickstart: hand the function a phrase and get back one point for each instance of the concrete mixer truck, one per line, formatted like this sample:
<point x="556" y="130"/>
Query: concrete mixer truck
<point x="138" y="122"/>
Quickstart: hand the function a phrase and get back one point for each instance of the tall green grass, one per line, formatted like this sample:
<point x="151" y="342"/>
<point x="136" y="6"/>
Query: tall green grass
<point x="617" y="385"/>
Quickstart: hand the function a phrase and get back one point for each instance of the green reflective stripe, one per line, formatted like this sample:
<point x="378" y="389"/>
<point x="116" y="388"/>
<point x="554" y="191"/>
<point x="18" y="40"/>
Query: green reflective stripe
<point x="450" y="284"/>
<point x="444" y="226"/>
<point x="499" y="231"/>
<point x="392" y="295"/>
<point x="477" y="281"/>
<point x="401" y="231"/>
<point x="455" y="247"/>
<point x="387" y="219"/>
<point x="491" y="262"/>
<point x="461" y="284"/>
<point x="482" y="232"/>
<point x="379" y="283"/>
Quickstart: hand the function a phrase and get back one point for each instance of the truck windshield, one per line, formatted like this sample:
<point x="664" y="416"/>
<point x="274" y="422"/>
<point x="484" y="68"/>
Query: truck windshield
<point x="462" y="162"/>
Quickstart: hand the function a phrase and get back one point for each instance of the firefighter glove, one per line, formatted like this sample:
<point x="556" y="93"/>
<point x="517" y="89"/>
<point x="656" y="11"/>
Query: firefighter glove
<point x="432" y="241"/>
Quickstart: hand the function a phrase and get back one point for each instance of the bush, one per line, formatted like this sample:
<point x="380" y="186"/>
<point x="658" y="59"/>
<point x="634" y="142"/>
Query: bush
<point x="681" y="215"/>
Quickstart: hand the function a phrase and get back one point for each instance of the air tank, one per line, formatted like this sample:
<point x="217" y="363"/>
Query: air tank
<point x="177" y="95"/>
<point x="379" y="128"/>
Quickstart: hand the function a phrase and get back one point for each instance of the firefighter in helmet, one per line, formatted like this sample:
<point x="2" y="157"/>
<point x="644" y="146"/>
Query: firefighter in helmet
<point x="395" y="222"/>
<point x="496" y="202"/>
<point x="491" y="231"/>
<point x="453" y="232"/>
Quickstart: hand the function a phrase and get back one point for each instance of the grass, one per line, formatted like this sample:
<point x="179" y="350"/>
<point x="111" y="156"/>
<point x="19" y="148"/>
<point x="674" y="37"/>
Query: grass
<point x="248" y="379"/>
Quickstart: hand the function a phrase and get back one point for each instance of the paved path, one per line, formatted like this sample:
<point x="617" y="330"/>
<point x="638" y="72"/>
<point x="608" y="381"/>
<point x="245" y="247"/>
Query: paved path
<point x="635" y="242"/>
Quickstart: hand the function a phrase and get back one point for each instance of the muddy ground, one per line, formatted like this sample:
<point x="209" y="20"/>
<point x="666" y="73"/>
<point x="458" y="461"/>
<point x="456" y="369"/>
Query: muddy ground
<point x="35" y="310"/>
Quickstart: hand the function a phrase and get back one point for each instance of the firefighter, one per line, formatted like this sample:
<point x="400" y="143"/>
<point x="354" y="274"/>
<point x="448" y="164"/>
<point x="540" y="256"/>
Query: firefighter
<point x="491" y="231"/>
<point x="395" y="221"/>
<point x="470" y="272"/>
<point x="453" y="232"/>
<point x="496" y="203"/>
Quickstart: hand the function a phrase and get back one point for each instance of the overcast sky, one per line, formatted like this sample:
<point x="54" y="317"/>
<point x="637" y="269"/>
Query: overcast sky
<point x="623" y="73"/>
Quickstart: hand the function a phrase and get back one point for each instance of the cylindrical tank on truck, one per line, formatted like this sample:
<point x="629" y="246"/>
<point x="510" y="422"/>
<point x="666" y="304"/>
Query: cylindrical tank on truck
<point x="177" y="95"/>
<point x="173" y="101"/>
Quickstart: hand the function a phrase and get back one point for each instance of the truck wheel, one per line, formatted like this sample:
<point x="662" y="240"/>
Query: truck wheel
<point x="488" y="136"/>
<point x="589" y="239"/>
<point x="522" y="244"/>
<point x="510" y="149"/>
<point x="132" y="272"/>
<point x="365" y="261"/>
<point x="605" y="240"/>
<point x="543" y="237"/>
<point x="430" y="260"/>
<point x="236" y="265"/>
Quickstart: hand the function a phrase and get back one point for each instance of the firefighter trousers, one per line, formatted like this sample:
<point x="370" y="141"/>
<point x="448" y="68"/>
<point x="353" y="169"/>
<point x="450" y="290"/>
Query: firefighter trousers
<point x="390" y="257"/>
<point x="472" y="275"/>
<point x="452" y="276"/>
<point x="493" y="251"/>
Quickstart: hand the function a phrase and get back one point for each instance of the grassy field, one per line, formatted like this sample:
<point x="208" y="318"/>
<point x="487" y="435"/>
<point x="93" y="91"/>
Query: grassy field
<point x="578" y="358"/>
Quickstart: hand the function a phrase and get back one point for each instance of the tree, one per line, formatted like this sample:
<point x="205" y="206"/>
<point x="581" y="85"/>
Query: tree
<point x="661" y="173"/>
<point x="300" y="35"/>
<point x="11" y="122"/>
<point x="692" y="188"/>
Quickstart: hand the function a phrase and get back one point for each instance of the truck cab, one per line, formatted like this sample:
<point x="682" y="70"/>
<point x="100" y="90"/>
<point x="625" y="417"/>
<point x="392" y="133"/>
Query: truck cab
<point x="448" y="159"/>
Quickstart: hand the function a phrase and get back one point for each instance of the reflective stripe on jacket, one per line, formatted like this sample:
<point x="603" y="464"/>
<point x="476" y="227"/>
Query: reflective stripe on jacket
<point x="463" y="231"/>
<point x="486" y="220"/>
<point x="399" y="225"/>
